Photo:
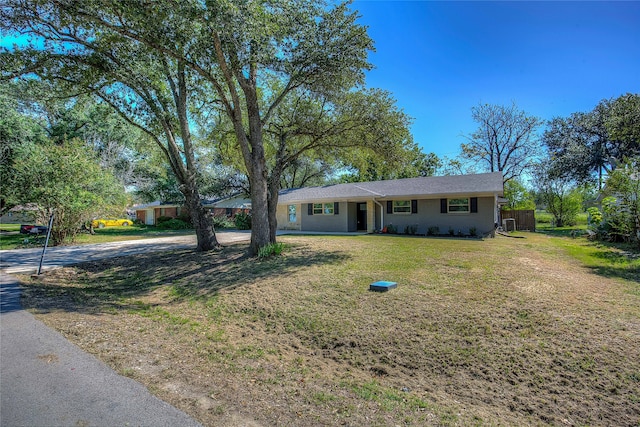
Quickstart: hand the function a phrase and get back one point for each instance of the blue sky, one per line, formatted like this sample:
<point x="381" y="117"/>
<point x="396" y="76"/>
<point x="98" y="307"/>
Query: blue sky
<point x="439" y="59"/>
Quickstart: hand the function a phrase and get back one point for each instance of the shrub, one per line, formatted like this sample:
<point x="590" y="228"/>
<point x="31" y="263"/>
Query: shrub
<point x="451" y="231"/>
<point x="272" y="249"/>
<point x="392" y="229"/>
<point x="173" y="224"/>
<point x="221" y="221"/>
<point x="473" y="231"/>
<point x="434" y="230"/>
<point x="243" y="221"/>
<point x="595" y="217"/>
<point x="411" y="229"/>
<point x="162" y="219"/>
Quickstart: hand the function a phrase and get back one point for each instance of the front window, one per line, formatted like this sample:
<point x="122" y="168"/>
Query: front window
<point x="402" y="207"/>
<point x="459" y="205"/>
<point x="323" y="208"/>
<point x="292" y="213"/>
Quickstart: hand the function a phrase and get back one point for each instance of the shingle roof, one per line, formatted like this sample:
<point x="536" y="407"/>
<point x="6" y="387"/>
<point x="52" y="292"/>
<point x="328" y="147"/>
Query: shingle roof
<point x="434" y="186"/>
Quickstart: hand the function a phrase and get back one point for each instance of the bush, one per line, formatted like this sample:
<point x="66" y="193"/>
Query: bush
<point x="243" y="221"/>
<point x="473" y="231"/>
<point x="173" y="224"/>
<point x="221" y="221"/>
<point x="411" y="229"/>
<point x="392" y="229"/>
<point x="434" y="230"/>
<point x="162" y="219"/>
<point x="595" y="217"/>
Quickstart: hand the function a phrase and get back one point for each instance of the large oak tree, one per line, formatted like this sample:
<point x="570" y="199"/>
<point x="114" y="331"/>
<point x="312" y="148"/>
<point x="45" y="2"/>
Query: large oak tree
<point x="586" y="146"/>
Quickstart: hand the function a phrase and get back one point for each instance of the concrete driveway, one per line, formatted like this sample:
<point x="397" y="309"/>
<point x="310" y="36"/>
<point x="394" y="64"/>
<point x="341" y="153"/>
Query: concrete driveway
<point x="27" y="260"/>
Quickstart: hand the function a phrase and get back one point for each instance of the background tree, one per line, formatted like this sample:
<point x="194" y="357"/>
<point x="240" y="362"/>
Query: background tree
<point x="65" y="179"/>
<point x="587" y="146"/>
<point x="558" y="195"/>
<point x="506" y="140"/>
<point x="16" y="129"/>
<point x="519" y="197"/>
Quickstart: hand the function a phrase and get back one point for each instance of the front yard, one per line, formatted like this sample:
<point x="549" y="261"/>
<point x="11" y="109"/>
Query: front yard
<point x="541" y="330"/>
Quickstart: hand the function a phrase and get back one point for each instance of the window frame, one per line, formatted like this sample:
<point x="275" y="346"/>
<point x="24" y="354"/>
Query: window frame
<point x="396" y="204"/>
<point x="467" y="204"/>
<point x="293" y="212"/>
<point x="323" y="208"/>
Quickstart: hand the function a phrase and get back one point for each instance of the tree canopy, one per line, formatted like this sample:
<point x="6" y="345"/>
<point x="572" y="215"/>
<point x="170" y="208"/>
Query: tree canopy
<point x="586" y="146"/>
<point x="506" y="140"/>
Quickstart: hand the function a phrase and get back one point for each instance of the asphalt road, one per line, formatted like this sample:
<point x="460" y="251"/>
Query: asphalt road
<point x="47" y="381"/>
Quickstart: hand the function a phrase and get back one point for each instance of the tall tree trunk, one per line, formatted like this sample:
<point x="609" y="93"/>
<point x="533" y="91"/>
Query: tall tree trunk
<point x="273" y="205"/>
<point x="205" y="233"/>
<point x="260" y="228"/>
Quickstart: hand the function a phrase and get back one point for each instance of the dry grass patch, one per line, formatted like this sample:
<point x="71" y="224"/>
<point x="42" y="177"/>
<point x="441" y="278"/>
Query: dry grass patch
<point x="496" y="332"/>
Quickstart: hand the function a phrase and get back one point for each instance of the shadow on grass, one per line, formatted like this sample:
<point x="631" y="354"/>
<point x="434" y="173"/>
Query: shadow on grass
<point x="631" y="274"/>
<point x="113" y="284"/>
<point x="619" y="264"/>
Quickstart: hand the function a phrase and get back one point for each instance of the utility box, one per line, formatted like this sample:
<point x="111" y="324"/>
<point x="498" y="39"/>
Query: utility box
<point x="509" y="224"/>
<point x="382" y="286"/>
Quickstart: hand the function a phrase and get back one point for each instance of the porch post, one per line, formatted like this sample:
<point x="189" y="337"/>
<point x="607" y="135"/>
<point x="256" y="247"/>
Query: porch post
<point x="371" y="216"/>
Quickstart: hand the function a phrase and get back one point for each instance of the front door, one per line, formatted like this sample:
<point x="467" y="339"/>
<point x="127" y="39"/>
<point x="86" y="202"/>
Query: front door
<point x="362" y="216"/>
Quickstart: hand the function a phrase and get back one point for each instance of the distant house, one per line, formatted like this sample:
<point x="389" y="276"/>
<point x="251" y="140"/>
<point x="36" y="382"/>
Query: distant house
<point x="229" y="206"/>
<point x="461" y="203"/>
<point x="21" y="214"/>
<point x="150" y="212"/>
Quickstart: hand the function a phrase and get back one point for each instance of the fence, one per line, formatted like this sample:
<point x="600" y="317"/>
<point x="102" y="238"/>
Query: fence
<point x="525" y="220"/>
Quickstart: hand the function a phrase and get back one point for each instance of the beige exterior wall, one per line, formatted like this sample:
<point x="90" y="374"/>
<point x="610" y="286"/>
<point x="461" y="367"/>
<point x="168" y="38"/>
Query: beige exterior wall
<point x="282" y="216"/>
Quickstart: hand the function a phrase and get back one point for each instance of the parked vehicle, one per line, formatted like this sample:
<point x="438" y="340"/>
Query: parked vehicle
<point x="111" y="222"/>
<point x="33" y="229"/>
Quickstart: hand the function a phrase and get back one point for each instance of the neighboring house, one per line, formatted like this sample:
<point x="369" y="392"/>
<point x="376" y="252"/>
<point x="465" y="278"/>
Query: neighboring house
<point x="230" y="206"/>
<point x="21" y="214"/>
<point x="459" y="203"/>
<point x="150" y="212"/>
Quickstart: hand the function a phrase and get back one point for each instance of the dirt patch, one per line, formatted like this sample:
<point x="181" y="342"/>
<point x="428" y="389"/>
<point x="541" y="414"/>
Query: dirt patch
<point x="505" y="331"/>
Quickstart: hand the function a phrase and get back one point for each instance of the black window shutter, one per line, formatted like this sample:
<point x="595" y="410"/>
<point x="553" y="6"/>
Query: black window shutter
<point x="474" y="205"/>
<point x="414" y="206"/>
<point x="310" y="209"/>
<point x="389" y="207"/>
<point x="443" y="205"/>
<point x="336" y="208"/>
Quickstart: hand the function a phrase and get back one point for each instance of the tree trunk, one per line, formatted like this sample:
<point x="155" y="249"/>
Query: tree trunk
<point x="260" y="228"/>
<point x="273" y="205"/>
<point x="205" y="234"/>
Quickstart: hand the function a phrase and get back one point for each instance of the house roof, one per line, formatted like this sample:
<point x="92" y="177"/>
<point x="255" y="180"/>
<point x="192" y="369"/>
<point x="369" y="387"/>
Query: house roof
<point x="238" y="201"/>
<point x="486" y="184"/>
